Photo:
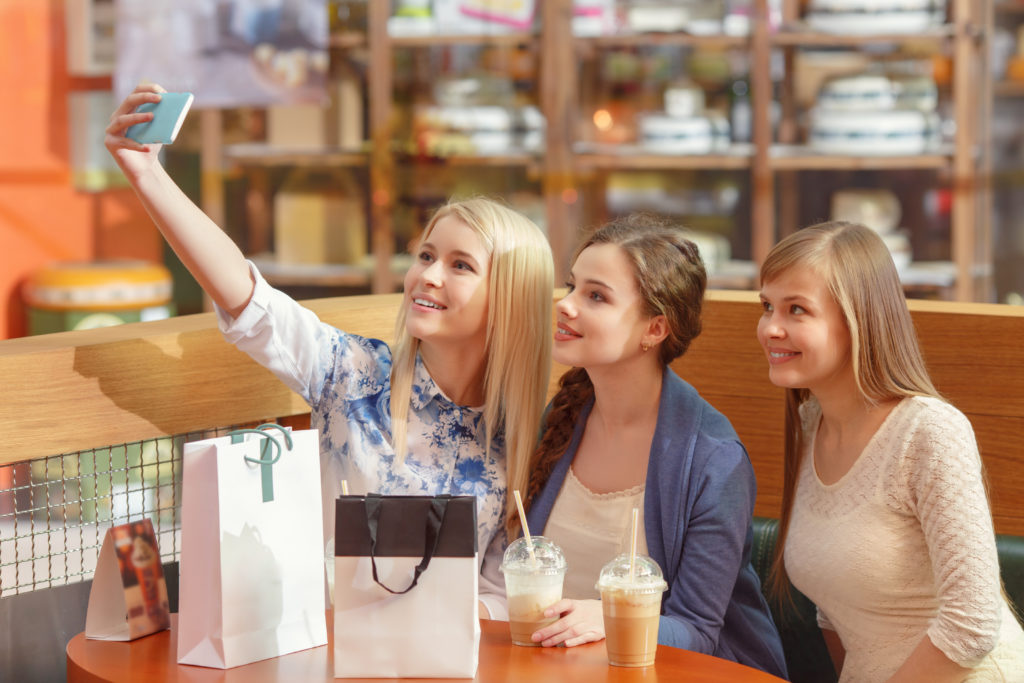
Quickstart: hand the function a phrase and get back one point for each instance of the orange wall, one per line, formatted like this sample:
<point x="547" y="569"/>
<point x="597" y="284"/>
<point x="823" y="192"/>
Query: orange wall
<point x="42" y="217"/>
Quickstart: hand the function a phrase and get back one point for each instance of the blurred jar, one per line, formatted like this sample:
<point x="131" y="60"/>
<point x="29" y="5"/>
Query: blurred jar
<point x="347" y="16"/>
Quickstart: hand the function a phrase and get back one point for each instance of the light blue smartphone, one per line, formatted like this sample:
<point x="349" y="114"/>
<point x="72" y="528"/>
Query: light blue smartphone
<point x="168" y="115"/>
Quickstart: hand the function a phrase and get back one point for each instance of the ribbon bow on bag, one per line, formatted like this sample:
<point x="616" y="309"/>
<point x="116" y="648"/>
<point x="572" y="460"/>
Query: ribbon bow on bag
<point x="265" y="461"/>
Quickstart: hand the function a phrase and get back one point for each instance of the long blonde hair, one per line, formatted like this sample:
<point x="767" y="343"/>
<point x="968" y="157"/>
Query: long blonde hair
<point x="887" y="363"/>
<point x="518" y="340"/>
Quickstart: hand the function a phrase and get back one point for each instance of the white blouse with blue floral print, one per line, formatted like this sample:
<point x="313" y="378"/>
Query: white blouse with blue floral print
<point x="346" y="381"/>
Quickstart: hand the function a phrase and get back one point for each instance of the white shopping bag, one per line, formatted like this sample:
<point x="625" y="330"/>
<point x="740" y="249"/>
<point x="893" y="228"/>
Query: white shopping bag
<point x="252" y="573"/>
<point x="405" y="587"/>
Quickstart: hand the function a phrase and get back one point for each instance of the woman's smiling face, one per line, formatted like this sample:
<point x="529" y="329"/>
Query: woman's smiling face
<point x="446" y="287"/>
<point x="601" y="320"/>
<point x="803" y="332"/>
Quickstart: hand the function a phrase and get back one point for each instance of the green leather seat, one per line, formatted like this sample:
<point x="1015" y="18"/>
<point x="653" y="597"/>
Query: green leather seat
<point x="807" y="657"/>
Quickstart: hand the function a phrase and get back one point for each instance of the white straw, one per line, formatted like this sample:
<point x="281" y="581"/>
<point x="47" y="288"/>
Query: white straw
<point x="344" y="487"/>
<point x="632" y="547"/>
<point x="526" y="529"/>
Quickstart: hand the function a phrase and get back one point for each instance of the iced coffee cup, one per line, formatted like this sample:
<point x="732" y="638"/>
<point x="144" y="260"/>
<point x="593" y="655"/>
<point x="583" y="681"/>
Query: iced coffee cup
<point x="631" y="601"/>
<point x="532" y="583"/>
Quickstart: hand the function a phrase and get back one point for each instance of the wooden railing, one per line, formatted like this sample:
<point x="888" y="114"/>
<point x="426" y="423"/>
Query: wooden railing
<point x="78" y="390"/>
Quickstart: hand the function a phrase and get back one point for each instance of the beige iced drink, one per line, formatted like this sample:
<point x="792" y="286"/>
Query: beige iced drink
<point x="532" y="584"/>
<point x="631" y="626"/>
<point x="631" y="602"/>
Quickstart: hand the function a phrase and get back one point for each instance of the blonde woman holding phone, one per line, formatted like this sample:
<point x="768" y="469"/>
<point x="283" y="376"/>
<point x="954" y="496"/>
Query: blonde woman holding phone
<point x="453" y="408"/>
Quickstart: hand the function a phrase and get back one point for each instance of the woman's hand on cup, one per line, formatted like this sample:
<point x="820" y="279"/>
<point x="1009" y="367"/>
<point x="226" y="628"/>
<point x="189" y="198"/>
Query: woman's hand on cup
<point x="134" y="158"/>
<point x="581" y="621"/>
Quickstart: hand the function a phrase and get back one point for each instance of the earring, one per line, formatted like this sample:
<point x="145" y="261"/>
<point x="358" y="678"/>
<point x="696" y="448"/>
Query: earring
<point x="645" y="346"/>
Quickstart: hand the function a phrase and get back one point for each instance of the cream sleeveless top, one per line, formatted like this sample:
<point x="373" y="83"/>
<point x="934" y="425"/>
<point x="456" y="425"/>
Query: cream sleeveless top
<point x="591" y="529"/>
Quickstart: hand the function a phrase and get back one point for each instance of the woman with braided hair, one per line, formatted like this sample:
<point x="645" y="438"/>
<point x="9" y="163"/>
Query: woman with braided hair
<point x="625" y="431"/>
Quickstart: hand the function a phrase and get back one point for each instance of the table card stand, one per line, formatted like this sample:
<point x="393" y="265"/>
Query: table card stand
<point x="128" y="598"/>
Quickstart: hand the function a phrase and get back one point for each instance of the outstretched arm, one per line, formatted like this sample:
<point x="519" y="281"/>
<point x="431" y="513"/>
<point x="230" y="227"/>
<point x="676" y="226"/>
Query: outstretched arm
<point x="209" y="254"/>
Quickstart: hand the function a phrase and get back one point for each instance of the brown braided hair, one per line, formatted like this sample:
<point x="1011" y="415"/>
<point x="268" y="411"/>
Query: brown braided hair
<point x="671" y="278"/>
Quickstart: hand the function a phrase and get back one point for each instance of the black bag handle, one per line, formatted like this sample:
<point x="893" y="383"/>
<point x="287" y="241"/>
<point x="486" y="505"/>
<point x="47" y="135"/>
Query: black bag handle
<point x="435" y="518"/>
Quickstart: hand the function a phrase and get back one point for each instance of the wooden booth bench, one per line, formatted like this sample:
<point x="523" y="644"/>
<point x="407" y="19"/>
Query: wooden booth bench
<point x="71" y="392"/>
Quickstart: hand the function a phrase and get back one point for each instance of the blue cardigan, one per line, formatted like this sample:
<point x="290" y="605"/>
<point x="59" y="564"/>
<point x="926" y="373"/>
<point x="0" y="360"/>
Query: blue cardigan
<point x="698" y="502"/>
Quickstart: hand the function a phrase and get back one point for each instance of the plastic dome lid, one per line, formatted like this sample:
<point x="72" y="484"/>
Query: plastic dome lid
<point x="547" y="557"/>
<point x="646" y="577"/>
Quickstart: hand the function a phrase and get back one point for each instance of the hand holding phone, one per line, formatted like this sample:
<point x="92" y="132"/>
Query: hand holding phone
<point x="168" y="115"/>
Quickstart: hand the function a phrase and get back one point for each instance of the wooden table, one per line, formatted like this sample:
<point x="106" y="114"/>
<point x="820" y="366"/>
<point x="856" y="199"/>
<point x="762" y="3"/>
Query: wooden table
<point x="154" y="659"/>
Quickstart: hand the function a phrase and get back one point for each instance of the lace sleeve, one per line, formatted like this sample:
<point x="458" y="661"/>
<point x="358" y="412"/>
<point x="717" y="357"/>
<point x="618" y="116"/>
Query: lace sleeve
<point x="948" y="492"/>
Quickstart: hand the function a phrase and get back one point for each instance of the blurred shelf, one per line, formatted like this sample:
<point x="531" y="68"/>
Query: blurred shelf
<point x="325" y="274"/>
<point x="347" y="40"/>
<point x="803" y="158"/>
<point x="1008" y="7"/>
<point x="709" y="42"/>
<point x="511" y="158"/>
<point x="733" y="274"/>
<point x="262" y="154"/>
<point x="799" y="34"/>
<point x="1008" y="88"/>
<point x="928" y="279"/>
<point x="436" y="40"/>
<point x="597" y="156"/>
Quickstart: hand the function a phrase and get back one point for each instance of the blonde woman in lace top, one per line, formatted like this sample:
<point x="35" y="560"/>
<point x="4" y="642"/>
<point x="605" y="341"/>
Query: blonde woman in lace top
<point x="885" y="521"/>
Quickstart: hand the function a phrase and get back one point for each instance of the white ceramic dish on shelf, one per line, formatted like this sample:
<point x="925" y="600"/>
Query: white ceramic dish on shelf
<point x="857" y="93"/>
<point x="862" y="24"/>
<point x="665" y="134"/>
<point x="865" y="17"/>
<point x="870" y="133"/>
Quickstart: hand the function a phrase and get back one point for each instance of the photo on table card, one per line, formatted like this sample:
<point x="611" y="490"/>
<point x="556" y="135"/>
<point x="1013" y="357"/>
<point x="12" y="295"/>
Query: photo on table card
<point x="128" y="599"/>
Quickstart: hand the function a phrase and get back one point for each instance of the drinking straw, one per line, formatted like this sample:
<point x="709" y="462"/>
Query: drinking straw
<point x="344" y="487"/>
<point x="632" y="547"/>
<point x="526" y="529"/>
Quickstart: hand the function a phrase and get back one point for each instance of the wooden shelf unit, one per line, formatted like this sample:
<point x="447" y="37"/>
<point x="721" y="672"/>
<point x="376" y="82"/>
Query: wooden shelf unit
<point x="803" y="158"/>
<point x="590" y="156"/>
<point x="568" y="168"/>
<point x="798" y="34"/>
<point x="965" y="164"/>
<point x="1008" y="88"/>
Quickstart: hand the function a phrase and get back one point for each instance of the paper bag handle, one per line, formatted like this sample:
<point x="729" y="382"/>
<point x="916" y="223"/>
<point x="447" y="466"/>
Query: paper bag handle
<point x="435" y="518"/>
<point x="264" y="461"/>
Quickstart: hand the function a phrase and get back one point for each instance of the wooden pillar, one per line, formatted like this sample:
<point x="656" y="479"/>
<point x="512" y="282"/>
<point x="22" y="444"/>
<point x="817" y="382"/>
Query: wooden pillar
<point x="382" y="164"/>
<point x="558" y="102"/>
<point x="762" y="179"/>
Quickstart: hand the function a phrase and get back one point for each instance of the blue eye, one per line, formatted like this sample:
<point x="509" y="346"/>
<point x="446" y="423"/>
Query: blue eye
<point x="797" y="310"/>
<point x="462" y="265"/>
<point x="766" y="307"/>
<point x="596" y="296"/>
<point x="426" y="256"/>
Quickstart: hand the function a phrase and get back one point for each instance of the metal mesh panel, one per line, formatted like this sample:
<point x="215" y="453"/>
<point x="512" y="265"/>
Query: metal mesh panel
<point x="55" y="511"/>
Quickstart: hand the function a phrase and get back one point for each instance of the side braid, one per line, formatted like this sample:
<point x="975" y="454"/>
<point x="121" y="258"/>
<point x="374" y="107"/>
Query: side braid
<point x="574" y="390"/>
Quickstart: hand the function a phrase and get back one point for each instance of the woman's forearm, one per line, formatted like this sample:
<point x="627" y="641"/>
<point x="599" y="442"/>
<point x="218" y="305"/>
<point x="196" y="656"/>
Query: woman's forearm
<point x="927" y="663"/>
<point x="209" y="254"/>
